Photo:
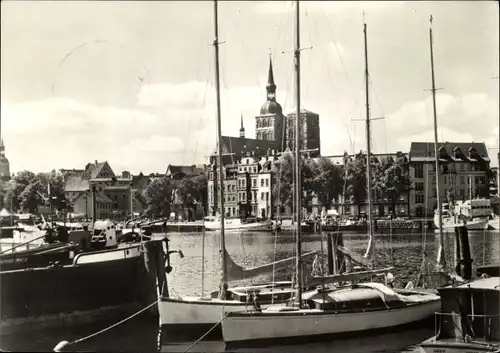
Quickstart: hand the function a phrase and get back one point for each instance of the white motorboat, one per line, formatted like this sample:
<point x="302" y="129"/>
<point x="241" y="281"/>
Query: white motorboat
<point x="473" y="213"/>
<point x="214" y="223"/>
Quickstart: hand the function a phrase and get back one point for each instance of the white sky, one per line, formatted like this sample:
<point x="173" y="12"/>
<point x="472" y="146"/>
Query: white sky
<point x="137" y="86"/>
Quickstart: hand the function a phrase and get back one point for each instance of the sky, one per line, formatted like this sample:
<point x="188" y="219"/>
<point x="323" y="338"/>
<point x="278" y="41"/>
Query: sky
<point x="133" y="82"/>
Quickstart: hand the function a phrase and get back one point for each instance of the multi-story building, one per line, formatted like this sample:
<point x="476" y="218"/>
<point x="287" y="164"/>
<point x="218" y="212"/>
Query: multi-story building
<point x="247" y="187"/>
<point x="463" y="174"/>
<point x="114" y="194"/>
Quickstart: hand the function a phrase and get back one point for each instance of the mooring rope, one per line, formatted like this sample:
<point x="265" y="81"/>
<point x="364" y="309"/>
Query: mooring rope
<point x="206" y="333"/>
<point x="64" y="344"/>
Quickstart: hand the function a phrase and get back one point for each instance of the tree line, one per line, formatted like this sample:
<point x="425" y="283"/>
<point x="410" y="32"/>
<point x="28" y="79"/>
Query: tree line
<point x="26" y="191"/>
<point x="328" y="181"/>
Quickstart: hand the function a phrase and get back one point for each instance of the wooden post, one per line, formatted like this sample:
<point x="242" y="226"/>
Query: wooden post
<point x="330" y="253"/>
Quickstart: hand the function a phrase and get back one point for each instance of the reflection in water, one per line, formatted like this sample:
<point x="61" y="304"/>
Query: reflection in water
<point x="403" y="251"/>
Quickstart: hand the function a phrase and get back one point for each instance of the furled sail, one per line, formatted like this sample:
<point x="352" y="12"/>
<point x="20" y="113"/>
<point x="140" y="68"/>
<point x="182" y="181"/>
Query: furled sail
<point x="349" y="276"/>
<point x="236" y="272"/>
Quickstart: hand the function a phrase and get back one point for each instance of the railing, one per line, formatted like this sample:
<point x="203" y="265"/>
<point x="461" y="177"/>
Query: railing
<point x="487" y="321"/>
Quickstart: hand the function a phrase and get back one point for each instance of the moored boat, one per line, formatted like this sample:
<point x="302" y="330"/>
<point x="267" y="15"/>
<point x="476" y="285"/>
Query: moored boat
<point x="343" y="310"/>
<point x="96" y="284"/>
<point x="469" y="320"/>
<point x="214" y="223"/>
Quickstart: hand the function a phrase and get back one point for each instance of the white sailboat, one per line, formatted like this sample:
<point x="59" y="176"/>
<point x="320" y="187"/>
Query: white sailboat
<point x="187" y="318"/>
<point x="336" y="310"/>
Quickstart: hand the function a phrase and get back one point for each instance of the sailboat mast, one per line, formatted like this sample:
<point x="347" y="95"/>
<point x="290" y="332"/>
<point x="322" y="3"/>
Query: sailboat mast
<point x="368" y="149"/>
<point x="219" y="154"/>
<point x="298" y="188"/>
<point x="441" y="261"/>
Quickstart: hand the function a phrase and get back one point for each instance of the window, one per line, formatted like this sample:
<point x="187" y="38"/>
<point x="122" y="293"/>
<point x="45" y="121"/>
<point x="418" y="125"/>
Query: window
<point x="261" y="182"/>
<point x="267" y="196"/>
<point x="419" y="198"/>
<point x="262" y="196"/>
<point x="267" y="182"/>
<point x="254" y="182"/>
<point x="419" y="171"/>
<point x="419" y="186"/>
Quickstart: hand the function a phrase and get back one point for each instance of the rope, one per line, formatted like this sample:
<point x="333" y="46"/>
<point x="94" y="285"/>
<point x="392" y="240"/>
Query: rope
<point x="114" y="325"/>
<point x="206" y="333"/>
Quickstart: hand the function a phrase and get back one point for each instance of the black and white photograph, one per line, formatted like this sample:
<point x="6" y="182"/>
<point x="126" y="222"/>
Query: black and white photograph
<point x="250" y="176"/>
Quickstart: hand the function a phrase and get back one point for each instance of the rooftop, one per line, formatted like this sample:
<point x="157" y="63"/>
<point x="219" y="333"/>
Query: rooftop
<point x="490" y="283"/>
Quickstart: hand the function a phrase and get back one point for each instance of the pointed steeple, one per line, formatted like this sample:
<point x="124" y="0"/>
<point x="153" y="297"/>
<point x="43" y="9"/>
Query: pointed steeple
<point x="271" y="87"/>
<point x="242" y="129"/>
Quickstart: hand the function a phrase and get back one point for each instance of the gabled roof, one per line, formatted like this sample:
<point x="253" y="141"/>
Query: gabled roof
<point x="424" y="151"/>
<point x="76" y="183"/>
<point x="94" y="169"/>
<point x="188" y="170"/>
<point x="240" y="146"/>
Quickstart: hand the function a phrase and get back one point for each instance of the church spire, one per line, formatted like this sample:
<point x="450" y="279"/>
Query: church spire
<point x="271" y="87"/>
<point x="242" y="129"/>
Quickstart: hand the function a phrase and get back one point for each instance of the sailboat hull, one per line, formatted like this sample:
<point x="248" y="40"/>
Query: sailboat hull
<point x="189" y="318"/>
<point x="240" y="328"/>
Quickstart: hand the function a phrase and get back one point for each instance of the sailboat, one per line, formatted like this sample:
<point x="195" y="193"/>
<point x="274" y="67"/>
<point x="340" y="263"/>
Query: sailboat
<point x="327" y="311"/>
<point x="188" y="318"/>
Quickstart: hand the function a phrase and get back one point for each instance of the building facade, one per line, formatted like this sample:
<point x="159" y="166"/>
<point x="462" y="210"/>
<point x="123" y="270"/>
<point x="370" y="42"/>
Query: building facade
<point x="114" y="195"/>
<point x="463" y="174"/>
<point x="247" y="187"/>
<point x="309" y="130"/>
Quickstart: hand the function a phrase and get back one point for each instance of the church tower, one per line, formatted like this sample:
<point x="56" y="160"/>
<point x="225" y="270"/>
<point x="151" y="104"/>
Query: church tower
<point x="269" y="124"/>
<point x="242" y="129"/>
<point x="4" y="162"/>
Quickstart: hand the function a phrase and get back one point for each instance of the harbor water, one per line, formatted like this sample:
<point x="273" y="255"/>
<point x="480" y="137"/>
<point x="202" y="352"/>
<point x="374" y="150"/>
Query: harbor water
<point x="402" y="251"/>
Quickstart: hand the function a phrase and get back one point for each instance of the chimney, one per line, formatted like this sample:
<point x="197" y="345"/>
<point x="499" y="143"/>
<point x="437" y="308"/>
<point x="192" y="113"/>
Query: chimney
<point x="96" y="161"/>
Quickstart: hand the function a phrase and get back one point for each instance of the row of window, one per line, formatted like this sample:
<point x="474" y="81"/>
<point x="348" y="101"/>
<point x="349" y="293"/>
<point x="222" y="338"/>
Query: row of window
<point x="446" y="168"/>
<point x="263" y="182"/>
<point x="264" y="122"/>
<point x="265" y="135"/>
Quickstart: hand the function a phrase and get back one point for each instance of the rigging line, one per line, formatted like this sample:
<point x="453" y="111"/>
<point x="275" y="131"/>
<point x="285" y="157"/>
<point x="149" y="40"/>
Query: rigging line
<point x="337" y="49"/>
<point x="207" y="84"/>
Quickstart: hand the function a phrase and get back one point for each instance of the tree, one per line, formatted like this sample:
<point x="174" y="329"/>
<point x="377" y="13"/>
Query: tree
<point x="284" y="188"/>
<point x="328" y="181"/>
<point x="57" y="184"/>
<point x="356" y="182"/>
<point x="393" y="181"/>
<point x="158" y="196"/>
<point x="188" y="195"/>
<point x="201" y="184"/>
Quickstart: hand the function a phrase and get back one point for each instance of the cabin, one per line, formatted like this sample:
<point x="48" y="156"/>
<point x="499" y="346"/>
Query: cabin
<point x="470" y="309"/>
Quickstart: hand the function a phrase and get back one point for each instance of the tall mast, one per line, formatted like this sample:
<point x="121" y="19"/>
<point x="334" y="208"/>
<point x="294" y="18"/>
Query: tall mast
<point x="223" y="286"/>
<point x="498" y="154"/>
<point x="369" y="251"/>
<point x="441" y="261"/>
<point x="298" y="188"/>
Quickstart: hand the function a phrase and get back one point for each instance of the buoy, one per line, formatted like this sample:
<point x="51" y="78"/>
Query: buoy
<point x="60" y="346"/>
